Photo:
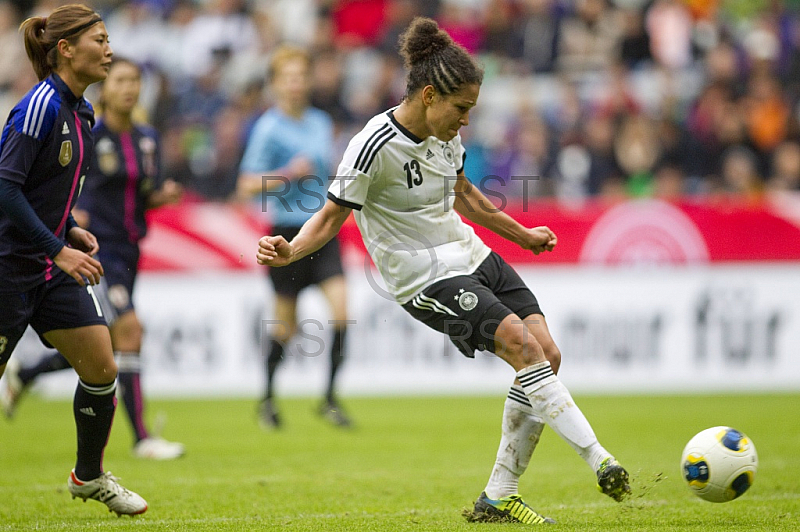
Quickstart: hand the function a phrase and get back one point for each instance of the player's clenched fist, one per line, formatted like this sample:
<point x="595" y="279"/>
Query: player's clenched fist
<point x="274" y="251"/>
<point x="539" y="239"/>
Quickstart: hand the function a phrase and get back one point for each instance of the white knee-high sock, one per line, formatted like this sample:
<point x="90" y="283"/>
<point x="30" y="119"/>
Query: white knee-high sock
<point x="552" y="402"/>
<point x="521" y="432"/>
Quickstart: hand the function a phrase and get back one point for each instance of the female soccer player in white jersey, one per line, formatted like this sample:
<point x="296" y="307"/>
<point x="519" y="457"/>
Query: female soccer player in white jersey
<point x="403" y="177"/>
<point x="45" y="151"/>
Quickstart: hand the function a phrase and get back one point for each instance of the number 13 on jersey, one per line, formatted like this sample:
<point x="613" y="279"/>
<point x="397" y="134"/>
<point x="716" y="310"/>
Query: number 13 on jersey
<point x="413" y="173"/>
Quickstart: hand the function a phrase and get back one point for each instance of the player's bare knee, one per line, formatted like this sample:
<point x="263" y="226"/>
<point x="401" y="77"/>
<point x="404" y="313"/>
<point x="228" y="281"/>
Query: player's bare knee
<point x="518" y="349"/>
<point x="553" y="355"/>
<point x="100" y="371"/>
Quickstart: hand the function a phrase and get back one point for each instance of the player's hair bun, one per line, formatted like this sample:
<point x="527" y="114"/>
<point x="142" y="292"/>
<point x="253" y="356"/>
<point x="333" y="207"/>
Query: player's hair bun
<point x="421" y="40"/>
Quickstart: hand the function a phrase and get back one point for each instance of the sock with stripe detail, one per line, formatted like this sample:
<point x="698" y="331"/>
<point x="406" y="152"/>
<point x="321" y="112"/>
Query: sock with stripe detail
<point x="521" y="432"/>
<point x="93" y="407"/>
<point x="552" y="402"/>
<point x="130" y="389"/>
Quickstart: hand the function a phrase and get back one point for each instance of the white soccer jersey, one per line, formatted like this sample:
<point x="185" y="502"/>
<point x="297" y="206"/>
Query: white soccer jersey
<point x="401" y="188"/>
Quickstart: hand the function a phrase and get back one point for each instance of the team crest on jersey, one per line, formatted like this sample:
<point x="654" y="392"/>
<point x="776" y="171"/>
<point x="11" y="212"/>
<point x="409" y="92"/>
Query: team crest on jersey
<point x="65" y="155"/>
<point x="3" y="344"/>
<point x="467" y="300"/>
<point x="447" y="151"/>
<point x="107" y="159"/>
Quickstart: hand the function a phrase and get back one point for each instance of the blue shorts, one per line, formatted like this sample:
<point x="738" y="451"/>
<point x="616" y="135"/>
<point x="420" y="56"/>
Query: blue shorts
<point x="60" y="303"/>
<point x="120" y="266"/>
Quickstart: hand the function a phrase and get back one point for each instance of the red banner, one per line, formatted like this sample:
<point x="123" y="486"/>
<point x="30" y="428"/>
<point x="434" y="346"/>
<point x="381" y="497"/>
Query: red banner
<point x="206" y="236"/>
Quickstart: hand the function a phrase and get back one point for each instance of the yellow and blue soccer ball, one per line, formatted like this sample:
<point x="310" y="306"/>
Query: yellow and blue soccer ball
<point x="719" y="464"/>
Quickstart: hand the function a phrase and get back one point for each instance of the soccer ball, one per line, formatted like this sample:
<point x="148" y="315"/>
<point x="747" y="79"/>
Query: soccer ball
<point x="719" y="464"/>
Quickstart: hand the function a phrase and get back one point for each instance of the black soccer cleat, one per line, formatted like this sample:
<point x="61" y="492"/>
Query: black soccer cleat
<point x="612" y="479"/>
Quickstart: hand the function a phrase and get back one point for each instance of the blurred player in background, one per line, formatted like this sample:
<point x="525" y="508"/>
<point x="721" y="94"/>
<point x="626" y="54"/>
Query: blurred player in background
<point x="403" y="175"/>
<point x="45" y="151"/>
<point x="288" y="158"/>
<point x="123" y="181"/>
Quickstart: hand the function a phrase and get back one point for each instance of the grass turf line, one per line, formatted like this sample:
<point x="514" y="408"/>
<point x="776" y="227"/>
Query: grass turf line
<point x="409" y="464"/>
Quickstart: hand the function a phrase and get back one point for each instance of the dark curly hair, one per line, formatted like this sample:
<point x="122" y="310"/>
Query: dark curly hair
<point x="433" y="58"/>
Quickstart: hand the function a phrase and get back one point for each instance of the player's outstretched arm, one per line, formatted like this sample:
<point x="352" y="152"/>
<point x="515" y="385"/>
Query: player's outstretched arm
<point x="315" y="233"/>
<point x="471" y="203"/>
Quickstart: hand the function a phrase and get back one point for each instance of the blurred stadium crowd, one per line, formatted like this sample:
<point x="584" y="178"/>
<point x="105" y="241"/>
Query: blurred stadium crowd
<point x="612" y="98"/>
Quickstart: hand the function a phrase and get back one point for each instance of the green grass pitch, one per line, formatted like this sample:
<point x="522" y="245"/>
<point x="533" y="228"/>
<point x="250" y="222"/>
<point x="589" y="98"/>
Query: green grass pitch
<point x="410" y="464"/>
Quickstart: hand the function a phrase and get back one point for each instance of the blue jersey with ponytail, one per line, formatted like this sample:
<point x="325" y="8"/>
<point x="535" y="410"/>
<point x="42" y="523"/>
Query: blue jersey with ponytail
<point x="45" y="149"/>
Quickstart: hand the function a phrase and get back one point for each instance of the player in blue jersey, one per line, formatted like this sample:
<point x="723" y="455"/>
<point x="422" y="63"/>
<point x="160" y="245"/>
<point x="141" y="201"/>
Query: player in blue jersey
<point x="46" y="264"/>
<point x="124" y="181"/>
<point x="403" y="178"/>
<point x="288" y="159"/>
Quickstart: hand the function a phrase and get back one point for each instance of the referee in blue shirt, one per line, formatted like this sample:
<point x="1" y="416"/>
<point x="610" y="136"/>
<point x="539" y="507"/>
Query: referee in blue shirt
<point x="288" y="160"/>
